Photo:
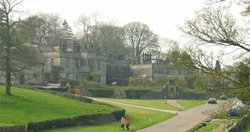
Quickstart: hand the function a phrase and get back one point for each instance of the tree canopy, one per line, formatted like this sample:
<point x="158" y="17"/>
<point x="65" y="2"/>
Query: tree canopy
<point x="217" y="26"/>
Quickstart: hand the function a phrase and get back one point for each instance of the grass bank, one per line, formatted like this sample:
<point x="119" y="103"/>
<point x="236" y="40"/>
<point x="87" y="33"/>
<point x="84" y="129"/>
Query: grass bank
<point x="191" y="103"/>
<point x="26" y="105"/>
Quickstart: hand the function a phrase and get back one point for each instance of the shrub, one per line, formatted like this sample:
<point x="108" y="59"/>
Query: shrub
<point x="221" y="112"/>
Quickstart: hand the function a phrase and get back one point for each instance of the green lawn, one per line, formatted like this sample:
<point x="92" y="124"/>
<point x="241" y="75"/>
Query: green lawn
<point x="247" y="128"/>
<point x="139" y="119"/>
<point x="154" y="103"/>
<point x="28" y="105"/>
<point x="191" y="103"/>
<point x="159" y="103"/>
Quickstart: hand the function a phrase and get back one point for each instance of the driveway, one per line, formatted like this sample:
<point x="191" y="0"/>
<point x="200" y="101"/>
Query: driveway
<point x="184" y="121"/>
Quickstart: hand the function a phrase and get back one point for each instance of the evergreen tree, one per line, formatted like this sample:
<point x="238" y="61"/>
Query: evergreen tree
<point x="67" y="30"/>
<point x="217" y="66"/>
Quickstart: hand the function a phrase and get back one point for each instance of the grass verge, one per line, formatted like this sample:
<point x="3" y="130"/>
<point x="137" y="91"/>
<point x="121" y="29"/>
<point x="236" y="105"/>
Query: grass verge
<point x="191" y="103"/>
<point x="218" y="126"/>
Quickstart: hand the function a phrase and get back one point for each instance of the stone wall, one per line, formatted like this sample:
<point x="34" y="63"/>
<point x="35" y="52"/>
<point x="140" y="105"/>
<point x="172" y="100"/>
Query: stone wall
<point x="19" y="128"/>
<point x="142" y="71"/>
<point x="66" y="122"/>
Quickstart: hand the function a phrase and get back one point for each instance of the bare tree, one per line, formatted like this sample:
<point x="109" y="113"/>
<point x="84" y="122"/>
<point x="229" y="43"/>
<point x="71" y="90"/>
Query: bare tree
<point x="34" y="30"/>
<point x="141" y="39"/>
<point x="219" y="28"/>
<point x="15" y="56"/>
<point x="52" y="29"/>
<point x="216" y="26"/>
<point x="105" y="37"/>
<point x="8" y="28"/>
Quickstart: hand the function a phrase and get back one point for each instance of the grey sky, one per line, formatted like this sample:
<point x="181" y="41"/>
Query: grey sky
<point x="162" y="16"/>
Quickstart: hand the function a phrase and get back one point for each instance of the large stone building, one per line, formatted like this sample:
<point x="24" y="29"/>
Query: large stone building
<point x="155" y="72"/>
<point x="75" y="61"/>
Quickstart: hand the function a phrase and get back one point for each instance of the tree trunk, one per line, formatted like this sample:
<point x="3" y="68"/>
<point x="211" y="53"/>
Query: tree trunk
<point x="8" y="76"/>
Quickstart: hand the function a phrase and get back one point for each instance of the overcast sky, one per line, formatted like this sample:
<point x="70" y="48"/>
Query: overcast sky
<point x="162" y="16"/>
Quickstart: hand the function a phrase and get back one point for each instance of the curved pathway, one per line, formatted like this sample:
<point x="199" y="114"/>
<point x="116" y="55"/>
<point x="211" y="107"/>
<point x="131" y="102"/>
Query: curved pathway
<point x="183" y="121"/>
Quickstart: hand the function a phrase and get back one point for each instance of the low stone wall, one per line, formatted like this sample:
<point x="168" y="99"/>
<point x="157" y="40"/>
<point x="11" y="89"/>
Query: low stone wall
<point x="20" y="128"/>
<point x="65" y="122"/>
<point x="238" y="126"/>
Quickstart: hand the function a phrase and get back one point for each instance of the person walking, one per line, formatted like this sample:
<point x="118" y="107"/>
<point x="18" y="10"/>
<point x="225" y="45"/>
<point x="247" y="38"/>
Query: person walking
<point x="122" y="123"/>
<point x="127" y="123"/>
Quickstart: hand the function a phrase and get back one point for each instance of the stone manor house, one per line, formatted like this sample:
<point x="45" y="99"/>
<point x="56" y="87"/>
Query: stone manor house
<point x="76" y="61"/>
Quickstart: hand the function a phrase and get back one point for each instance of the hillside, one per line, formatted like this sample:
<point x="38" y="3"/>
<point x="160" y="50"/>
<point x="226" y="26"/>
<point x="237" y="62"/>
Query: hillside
<point x="26" y="105"/>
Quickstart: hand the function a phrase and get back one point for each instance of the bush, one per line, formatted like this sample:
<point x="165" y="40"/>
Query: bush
<point x="223" y="97"/>
<point x="221" y="112"/>
<point x="102" y="93"/>
<point x="63" y="83"/>
<point x="94" y="76"/>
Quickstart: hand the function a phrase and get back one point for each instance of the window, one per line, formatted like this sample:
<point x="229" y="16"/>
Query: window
<point x="77" y="63"/>
<point x="91" y="63"/>
<point x="52" y="61"/>
<point x="78" y="48"/>
<point x="67" y="75"/>
<point x="67" y="62"/>
<point x="179" y="72"/>
<point x="82" y="62"/>
<point x="99" y="65"/>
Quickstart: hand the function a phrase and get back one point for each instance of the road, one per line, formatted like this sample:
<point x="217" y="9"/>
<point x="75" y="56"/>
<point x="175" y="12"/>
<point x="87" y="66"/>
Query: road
<point x="183" y="121"/>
